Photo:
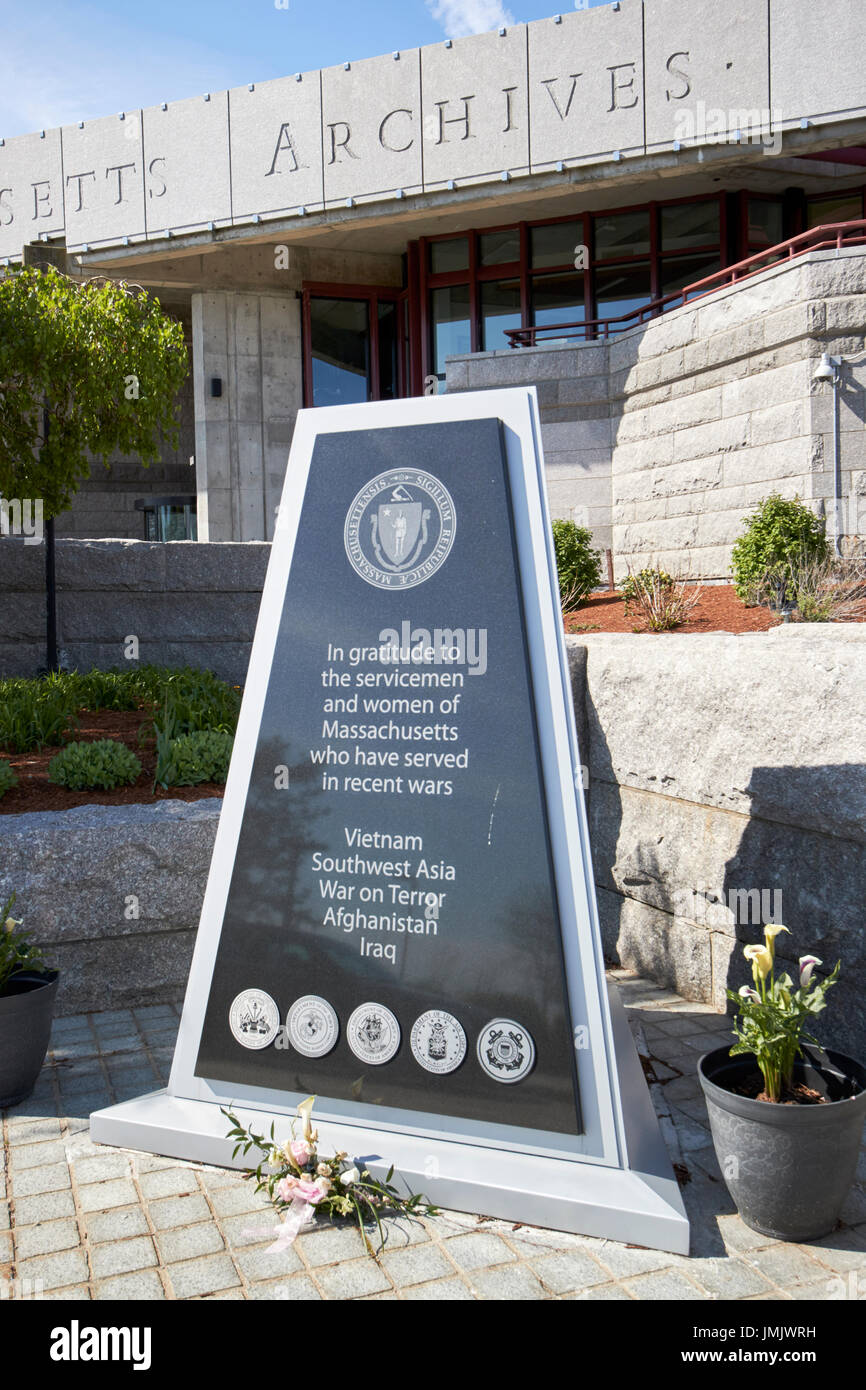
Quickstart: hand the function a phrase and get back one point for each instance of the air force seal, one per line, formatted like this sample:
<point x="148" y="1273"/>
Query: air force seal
<point x="400" y="528"/>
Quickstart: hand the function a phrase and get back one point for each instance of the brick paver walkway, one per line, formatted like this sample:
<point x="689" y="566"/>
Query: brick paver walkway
<point x="80" y="1221"/>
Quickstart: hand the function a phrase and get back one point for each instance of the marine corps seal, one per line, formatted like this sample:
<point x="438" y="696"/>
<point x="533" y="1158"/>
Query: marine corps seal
<point x="312" y="1026"/>
<point x="400" y="528"/>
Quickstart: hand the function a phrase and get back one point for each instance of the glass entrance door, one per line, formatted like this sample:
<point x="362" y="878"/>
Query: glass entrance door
<point x="354" y="341"/>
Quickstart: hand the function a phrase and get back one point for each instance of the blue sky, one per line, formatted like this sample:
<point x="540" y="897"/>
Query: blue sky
<point x="63" y="62"/>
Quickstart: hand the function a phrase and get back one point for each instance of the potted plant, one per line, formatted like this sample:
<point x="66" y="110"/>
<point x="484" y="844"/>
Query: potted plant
<point x="786" y="1116"/>
<point x="27" y="992"/>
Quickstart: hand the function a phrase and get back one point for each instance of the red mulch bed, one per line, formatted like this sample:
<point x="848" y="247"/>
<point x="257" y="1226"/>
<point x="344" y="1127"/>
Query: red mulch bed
<point x="717" y="610"/>
<point x="35" y="793"/>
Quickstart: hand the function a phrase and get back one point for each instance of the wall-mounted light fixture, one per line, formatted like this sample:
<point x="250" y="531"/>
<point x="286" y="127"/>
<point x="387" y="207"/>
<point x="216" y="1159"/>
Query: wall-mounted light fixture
<point x="216" y="386"/>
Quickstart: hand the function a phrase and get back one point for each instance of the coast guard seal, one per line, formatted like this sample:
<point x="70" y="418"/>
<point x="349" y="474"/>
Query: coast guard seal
<point x="505" y="1050"/>
<point x="400" y="528"/>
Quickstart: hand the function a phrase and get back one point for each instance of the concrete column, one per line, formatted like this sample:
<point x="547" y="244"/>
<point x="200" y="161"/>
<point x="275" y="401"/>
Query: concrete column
<point x="252" y="343"/>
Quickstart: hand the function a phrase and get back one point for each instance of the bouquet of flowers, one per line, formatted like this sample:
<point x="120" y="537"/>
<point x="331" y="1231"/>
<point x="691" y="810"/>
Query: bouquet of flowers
<point x="773" y="1013"/>
<point x="300" y="1181"/>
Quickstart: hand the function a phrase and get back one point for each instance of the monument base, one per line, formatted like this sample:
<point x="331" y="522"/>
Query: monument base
<point x="639" y="1205"/>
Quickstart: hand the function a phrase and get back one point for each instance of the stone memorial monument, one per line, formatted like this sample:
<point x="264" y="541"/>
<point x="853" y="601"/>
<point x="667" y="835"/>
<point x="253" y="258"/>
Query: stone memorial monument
<point x="400" y="916"/>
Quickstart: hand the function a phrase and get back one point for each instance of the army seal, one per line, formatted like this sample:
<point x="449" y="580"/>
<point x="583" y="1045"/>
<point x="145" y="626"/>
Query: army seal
<point x="373" y="1034"/>
<point x="400" y="528"/>
<point x="505" y="1050"/>
<point x="312" y="1026"/>
<point x="254" y="1019"/>
<point x="438" y="1042"/>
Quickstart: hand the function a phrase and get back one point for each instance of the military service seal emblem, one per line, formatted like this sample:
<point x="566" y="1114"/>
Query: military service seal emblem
<point x="373" y="1033"/>
<point x="438" y="1042"/>
<point x="505" y="1050"/>
<point x="312" y="1026"/>
<point x="254" y="1019"/>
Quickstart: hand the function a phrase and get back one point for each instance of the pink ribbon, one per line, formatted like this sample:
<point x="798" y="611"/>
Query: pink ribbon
<point x="300" y="1214"/>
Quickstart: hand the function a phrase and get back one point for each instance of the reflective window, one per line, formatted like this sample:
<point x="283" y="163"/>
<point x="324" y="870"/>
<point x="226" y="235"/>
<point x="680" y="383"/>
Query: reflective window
<point x="557" y="299"/>
<point x="765" y="223"/>
<point x="622" y="234"/>
<point x="821" y="211"/>
<point x="340" y="345"/>
<point x="689" y="224"/>
<point x="449" y="255"/>
<point x="389" y="381"/>
<point x="451" y="324"/>
<point x="555" y="245"/>
<point x="500" y="309"/>
<point x="499" y="248"/>
<point x="621" y="289"/>
<point x="680" y="271"/>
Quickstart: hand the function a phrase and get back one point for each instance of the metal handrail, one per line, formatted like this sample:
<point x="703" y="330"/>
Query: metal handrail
<point x="832" y="235"/>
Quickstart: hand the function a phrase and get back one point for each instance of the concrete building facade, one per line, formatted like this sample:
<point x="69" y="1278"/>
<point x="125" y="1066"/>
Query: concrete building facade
<point x="394" y="226"/>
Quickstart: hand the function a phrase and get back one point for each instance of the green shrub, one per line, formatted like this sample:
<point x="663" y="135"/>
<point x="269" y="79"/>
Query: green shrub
<point x="8" y="779"/>
<point x="201" y="756"/>
<point x="660" y="600"/>
<point x="578" y="566"/>
<point x="646" y="579"/>
<point x="105" y="764"/>
<point x="781" y="536"/>
<point x="34" y="713"/>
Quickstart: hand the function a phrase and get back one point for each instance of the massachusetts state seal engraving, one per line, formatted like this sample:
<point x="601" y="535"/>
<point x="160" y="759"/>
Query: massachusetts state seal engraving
<point x="438" y="1042"/>
<point x="505" y="1050"/>
<point x="400" y="528"/>
<point x="312" y="1026"/>
<point x="254" y="1019"/>
<point x="373" y="1034"/>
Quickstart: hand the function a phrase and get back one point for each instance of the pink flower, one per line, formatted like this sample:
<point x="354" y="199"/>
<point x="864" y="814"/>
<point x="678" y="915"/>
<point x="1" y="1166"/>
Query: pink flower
<point x="300" y="1151"/>
<point x="291" y="1189"/>
<point x="807" y="965"/>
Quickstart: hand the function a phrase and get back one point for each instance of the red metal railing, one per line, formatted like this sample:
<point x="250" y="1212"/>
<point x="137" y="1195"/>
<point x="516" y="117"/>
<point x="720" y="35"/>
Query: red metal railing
<point x="833" y="235"/>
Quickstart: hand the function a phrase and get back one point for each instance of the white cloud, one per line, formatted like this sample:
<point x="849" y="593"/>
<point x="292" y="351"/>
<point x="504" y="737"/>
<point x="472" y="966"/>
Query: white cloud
<point x="461" y="17"/>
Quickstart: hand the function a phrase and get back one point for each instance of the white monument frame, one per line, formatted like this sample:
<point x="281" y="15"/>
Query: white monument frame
<point x="613" y="1180"/>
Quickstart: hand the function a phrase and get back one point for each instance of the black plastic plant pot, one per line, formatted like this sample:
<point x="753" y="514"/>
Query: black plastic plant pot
<point x="26" y="1011"/>
<point x="789" y="1168"/>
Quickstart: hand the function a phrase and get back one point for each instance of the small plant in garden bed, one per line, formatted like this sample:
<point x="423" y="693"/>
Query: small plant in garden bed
<point x="660" y="600"/>
<point x="35" y="713"/>
<point x="8" y="777"/>
<point x="300" y="1181"/>
<point x="105" y="764"/>
<point x="184" y="761"/>
<point x="17" y="952"/>
<point x="825" y="591"/>
<point x="773" y="1014"/>
<point x="782" y="534"/>
<point x="578" y="566"/>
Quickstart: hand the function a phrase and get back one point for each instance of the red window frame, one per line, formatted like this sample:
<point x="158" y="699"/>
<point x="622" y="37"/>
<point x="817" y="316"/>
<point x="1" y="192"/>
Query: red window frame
<point x="372" y="294"/>
<point x="422" y="280"/>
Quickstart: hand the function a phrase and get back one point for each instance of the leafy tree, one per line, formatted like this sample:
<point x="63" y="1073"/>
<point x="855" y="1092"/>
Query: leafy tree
<point x="781" y="535"/>
<point x="99" y="361"/>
